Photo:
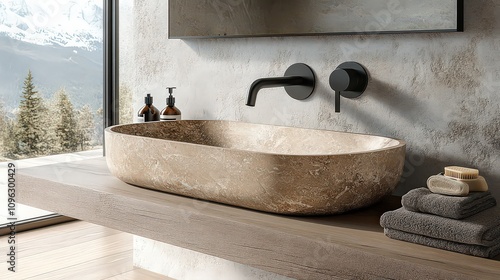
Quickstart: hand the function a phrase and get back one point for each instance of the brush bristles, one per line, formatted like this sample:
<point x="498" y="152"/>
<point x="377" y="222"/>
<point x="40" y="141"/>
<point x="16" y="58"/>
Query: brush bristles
<point x="461" y="172"/>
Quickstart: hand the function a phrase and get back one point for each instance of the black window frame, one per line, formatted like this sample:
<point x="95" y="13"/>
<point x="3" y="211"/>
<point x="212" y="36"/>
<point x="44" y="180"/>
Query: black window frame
<point x="111" y="74"/>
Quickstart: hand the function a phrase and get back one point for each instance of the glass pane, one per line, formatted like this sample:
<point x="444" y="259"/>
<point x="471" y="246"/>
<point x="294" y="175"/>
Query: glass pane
<point x="51" y="80"/>
<point x="51" y="77"/>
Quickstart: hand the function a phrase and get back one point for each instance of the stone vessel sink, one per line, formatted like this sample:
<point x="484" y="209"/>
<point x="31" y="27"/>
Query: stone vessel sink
<point x="264" y="167"/>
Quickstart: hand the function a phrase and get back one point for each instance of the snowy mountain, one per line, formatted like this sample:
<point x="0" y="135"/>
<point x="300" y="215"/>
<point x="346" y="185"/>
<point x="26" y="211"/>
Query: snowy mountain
<point x="66" y="23"/>
<point x="60" y="41"/>
<point x="53" y="67"/>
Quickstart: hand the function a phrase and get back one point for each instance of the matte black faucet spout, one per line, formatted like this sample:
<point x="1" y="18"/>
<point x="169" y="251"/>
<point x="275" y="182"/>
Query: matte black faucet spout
<point x="270" y="83"/>
<point x="299" y="82"/>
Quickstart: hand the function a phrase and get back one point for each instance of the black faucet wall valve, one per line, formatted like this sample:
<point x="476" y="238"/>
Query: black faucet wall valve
<point x="348" y="80"/>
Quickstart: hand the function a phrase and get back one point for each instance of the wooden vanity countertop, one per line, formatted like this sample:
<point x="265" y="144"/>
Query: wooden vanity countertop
<point x="348" y="246"/>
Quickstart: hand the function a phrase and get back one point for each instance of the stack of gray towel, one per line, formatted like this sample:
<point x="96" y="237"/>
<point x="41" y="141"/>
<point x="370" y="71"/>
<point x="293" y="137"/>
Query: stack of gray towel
<point x="468" y="225"/>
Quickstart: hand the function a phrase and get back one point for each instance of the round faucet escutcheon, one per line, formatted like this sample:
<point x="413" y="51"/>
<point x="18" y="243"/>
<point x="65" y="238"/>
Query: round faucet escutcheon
<point x="349" y="80"/>
<point x="301" y="92"/>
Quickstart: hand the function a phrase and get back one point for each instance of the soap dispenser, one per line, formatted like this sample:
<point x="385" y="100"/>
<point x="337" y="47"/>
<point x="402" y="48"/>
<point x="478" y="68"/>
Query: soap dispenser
<point x="148" y="112"/>
<point x="170" y="113"/>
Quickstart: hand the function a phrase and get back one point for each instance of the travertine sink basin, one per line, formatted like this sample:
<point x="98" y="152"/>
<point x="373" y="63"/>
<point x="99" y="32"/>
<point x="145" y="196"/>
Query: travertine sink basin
<point x="270" y="168"/>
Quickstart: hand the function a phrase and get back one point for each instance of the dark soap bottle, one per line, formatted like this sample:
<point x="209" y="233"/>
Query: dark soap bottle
<point x="170" y="113"/>
<point x="148" y="112"/>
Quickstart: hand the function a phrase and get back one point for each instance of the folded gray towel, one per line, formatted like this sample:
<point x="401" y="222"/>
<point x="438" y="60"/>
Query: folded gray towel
<point x="455" y="207"/>
<point x="480" y="229"/>
<point x="474" y="250"/>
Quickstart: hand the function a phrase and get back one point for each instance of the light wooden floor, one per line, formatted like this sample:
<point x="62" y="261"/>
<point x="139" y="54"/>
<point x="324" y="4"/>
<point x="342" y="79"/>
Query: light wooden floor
<point x="74" y="250"/>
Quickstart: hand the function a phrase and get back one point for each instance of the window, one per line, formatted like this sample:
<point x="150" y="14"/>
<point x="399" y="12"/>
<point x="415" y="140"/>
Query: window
<point x="52" y="69"/>
<point x="51" y="81"/>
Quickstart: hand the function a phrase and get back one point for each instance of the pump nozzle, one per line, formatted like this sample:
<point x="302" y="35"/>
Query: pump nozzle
<point x="148" y="100"/>
<point x="171" y="89"/>
<point x="171" y="98"/>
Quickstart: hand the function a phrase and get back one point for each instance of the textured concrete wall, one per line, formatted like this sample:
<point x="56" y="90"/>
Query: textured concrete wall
<point x="439" y="92"/>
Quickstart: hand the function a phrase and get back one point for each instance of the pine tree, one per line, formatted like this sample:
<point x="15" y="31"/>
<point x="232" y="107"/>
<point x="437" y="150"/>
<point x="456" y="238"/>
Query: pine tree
<point x="66" y="129"/>
<point x="3" y="131"/>
<point x="86" y="126"/>
<point x="10" y="144"/>
<point x="99" y="126"/>
<point x="29" y="130"/>
<point x="49" y="120"/>
<point x="125" y="102"/>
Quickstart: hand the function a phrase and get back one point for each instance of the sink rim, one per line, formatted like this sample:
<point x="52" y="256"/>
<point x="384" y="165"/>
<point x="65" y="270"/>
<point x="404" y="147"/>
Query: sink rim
<point x="399" y="142"/>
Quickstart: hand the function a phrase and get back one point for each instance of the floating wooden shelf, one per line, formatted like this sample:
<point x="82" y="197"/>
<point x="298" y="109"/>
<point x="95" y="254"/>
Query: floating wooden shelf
<point x="344" y="246"/>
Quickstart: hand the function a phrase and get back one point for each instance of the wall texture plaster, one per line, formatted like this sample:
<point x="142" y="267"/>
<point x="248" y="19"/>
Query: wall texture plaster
<point x="438" y="92"/>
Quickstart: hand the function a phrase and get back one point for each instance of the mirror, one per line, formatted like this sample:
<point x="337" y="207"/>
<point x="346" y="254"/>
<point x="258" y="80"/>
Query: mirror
<point x="250" y="18"/>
